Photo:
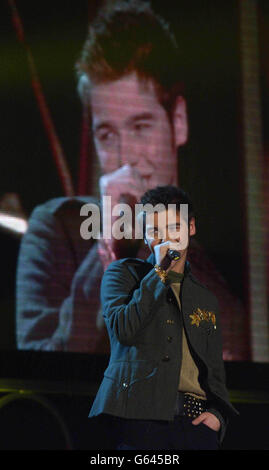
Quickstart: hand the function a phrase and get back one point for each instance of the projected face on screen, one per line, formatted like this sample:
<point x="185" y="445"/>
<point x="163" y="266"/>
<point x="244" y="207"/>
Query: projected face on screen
<point x="131" y="128"/>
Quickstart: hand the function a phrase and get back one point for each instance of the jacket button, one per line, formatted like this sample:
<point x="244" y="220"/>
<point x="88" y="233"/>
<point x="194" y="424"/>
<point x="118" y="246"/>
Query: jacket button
<point x="169" y="299"/>
<point x="170" y="322"/>
<point x="166" y="358"/>
<point x="169" y="339"/>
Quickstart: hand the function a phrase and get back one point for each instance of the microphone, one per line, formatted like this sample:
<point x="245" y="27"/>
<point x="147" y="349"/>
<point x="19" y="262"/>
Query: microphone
<point x="174" y="255"/>
<point x="169" y="257"/>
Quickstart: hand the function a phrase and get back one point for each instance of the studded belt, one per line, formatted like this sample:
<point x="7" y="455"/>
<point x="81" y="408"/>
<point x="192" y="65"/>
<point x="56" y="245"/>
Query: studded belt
<point x="188" y="405"/>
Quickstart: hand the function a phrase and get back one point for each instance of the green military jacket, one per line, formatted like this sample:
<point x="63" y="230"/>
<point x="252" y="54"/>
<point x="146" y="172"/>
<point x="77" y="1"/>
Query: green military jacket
<point x="145" y="324"/>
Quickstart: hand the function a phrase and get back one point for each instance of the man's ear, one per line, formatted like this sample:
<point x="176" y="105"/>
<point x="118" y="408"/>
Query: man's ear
<point x="192" y="227"/>
<point x="180" y="122"/>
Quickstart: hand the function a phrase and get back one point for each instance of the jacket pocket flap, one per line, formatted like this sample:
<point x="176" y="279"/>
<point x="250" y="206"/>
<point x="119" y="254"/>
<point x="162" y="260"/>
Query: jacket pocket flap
<point x="130" y="372"/>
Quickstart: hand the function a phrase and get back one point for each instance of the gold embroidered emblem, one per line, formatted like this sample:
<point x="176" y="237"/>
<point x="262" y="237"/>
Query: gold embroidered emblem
<point x="200" y="315"/>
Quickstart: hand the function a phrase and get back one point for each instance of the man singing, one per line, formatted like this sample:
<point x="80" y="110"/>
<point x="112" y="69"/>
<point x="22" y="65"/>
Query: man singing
<point x="164" y="387"/>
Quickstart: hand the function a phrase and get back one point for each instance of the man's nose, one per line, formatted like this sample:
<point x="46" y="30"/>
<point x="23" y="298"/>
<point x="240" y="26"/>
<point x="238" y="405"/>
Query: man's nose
<point x="131" y="152"/>
<point x="127" y="150"/>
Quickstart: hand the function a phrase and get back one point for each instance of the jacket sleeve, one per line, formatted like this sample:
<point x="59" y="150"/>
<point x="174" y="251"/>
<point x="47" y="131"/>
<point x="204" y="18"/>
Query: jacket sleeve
<point x="47" y="275"/>
<point x="127" y="306"/>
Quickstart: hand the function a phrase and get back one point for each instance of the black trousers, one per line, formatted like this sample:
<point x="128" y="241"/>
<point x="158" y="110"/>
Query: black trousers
<point x="179" y="434"/>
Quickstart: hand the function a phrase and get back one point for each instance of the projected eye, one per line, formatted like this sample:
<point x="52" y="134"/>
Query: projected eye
<point x="141" y="128"/>
<point x="106" y="136"/>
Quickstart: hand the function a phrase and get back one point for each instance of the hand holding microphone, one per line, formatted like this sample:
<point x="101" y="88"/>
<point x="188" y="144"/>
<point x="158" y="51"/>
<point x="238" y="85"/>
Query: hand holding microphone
<point x="171" y="255"/>
<point x="167" y="254"/>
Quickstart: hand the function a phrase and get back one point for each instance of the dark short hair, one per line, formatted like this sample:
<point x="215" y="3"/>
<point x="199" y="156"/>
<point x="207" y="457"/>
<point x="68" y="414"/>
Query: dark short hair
<point x="129" y="37"/>
<point x="168" y="195"/>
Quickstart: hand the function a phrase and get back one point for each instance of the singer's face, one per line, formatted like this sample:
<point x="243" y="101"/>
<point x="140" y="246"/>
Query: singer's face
<point x="168" y="226"/>
<point x="132" y="131"/>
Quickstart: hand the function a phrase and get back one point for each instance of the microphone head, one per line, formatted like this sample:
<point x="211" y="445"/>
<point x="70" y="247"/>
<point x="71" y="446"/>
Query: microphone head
<point x="174" y="255"/>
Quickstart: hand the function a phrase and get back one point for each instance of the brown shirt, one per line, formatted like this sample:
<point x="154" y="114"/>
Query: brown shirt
<point x="188" y="380"/>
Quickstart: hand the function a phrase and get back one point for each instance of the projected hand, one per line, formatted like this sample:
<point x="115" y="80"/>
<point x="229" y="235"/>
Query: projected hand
<point x="125" y="180"/>
<point x="123" y="186"/>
